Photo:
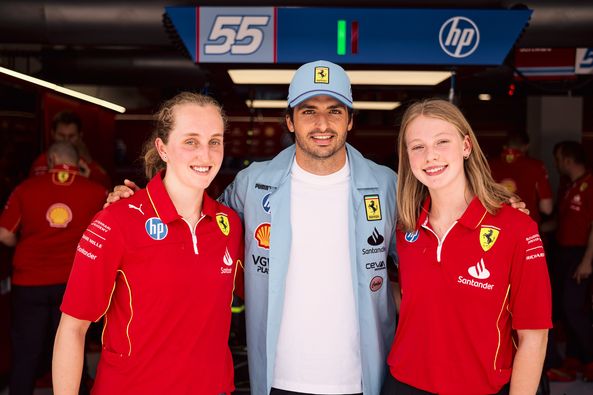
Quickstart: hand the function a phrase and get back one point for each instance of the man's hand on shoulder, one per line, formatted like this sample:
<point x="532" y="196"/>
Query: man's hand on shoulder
<point x="121" y="192"/>
<point x="518" y="204"/>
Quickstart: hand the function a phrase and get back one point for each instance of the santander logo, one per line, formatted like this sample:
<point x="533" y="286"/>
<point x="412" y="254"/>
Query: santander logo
<point x="479" y="271"/>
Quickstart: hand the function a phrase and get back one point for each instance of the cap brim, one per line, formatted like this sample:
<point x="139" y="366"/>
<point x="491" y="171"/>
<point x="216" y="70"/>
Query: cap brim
<point x="318" y="92"/>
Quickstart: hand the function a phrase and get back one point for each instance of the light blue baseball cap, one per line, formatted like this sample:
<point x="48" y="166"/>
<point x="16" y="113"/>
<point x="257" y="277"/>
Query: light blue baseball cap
<point x="319" y="78"/>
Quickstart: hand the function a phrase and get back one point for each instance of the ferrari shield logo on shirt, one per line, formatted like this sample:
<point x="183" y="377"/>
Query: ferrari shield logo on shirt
<point x="488" y="236"/>
<point x="58" y="215"/>
<point x="373" y="207"/>
<point x="584" y="186"/>
<point x="262" y="235"/>
<point x="412" y="236"/>
<point x="156" y="229"/>
<point x="321" y="75"/>
<point x="223" y="223"/>
<point x="63" y="176"/>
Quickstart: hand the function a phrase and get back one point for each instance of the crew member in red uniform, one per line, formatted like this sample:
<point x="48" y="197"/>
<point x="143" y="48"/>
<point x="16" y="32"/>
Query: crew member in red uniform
<point x="161" y="266"/>
<point x="67" y="126"/>
<point x="45" y="217"/>
<point x="472" y="269"/>
<point x="524" y="176"/>
<point x="573" y="261"/>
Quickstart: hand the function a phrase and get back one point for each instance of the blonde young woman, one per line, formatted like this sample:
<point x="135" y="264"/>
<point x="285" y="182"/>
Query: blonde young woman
<point x="161" y="267"/>
<point x="475" y="307"/>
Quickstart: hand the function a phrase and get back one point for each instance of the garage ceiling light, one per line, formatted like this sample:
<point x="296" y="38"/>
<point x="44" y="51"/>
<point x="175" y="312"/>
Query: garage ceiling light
<point x="357" y="77"/>
<point x="358" y="105"/>
<point x="65" y="91"/>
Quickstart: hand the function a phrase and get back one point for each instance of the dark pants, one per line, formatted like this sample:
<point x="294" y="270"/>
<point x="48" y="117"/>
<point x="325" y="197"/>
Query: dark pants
<point x="276" y="391"/>
<point x="394" y="387"/>
<point x="575" y="304"/>
<point x="35" y="319"/>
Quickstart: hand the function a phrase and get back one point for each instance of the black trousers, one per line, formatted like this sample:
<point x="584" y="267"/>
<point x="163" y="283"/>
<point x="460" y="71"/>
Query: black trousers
<point x="35" y="319"/>
<point x="276" y="391"/>
<point x="394" y="387"/>
<point x="575" y="304"/>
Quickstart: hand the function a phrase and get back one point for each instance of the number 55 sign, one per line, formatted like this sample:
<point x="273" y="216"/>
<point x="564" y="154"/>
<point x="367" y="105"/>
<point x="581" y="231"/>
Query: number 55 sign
<point x="227" y="35"/>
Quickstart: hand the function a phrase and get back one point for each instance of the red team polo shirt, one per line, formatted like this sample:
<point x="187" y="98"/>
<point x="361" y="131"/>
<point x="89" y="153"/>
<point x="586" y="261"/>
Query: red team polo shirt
<point x="462" y="297"/>
<point x="524" y="176"/>
<point x="575" y="214"/>
<point x="50" y="213"/>
<point x="97" y="173"/>
<point x="165" y="290"/>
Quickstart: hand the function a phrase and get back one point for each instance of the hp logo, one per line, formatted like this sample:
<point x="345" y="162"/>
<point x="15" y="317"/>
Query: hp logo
<point x="459" y="37"/>
<point x="156" y="229"/>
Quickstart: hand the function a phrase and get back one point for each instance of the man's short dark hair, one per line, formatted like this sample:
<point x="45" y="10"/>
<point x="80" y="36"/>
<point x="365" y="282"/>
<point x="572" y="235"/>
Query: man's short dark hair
<point x="573" y="150"/>
<point x="67" y="118"/>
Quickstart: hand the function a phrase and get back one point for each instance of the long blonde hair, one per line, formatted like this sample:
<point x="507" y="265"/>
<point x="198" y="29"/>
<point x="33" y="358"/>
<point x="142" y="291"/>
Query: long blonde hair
<point x="411" y="193"/>
<point x="164" y="123"/>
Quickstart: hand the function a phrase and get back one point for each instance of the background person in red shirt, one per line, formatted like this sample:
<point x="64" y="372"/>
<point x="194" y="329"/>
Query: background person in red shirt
<point x="44" y="217"/>
<point x="67" y="126"/>
<point x="573" y="260"/>
<point x="161" y="267"/>
<point x="524" y="176"/>
<point x="470" y="267"/>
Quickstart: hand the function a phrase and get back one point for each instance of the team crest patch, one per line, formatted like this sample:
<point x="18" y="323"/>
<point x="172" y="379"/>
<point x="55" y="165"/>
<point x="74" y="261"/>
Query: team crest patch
<point x="156" y="229"/>
<point x="262" y="235"/>
<point x="223" y="223"/>
<point x="372" y="205"/>
<point x="488" y="236"/>
<point x="58" y="215"/>
<point x="321" y="75"/>
<point x="412" y="236"/>
<point x="584" y="186"/>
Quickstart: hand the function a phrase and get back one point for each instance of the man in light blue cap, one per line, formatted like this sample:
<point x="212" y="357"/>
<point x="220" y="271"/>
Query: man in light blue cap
<point x="319" y="224"/>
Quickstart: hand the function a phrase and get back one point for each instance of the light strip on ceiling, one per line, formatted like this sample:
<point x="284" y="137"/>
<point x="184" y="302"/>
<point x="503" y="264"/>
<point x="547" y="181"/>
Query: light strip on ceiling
<point x="358" y="105"/>
<point x="357" y="77"/>
<point x="65" y="91"/>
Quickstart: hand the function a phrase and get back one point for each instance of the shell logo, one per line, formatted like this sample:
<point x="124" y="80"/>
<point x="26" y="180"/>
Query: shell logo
<point x="262" y="235"/>
<point x="510" y="185"/>
<point x="58" y="215"/>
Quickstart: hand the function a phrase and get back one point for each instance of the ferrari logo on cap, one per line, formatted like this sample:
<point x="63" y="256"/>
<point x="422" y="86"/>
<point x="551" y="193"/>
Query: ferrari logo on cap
<point x="223" y="223"/>
<point x="488" y="237"/>
<point x="373" y="207"/>
<point x="321" y="75"/>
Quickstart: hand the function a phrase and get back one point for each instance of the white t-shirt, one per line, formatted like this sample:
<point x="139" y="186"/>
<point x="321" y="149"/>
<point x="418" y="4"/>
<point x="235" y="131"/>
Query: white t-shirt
<point x="318" y="346"/>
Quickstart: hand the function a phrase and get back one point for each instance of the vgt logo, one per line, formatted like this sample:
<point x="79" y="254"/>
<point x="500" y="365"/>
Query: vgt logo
<point x="459" y="37"/>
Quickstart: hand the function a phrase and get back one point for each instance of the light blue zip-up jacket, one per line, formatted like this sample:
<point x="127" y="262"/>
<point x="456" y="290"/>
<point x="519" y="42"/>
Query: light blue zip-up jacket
<point x="261" y="196"/>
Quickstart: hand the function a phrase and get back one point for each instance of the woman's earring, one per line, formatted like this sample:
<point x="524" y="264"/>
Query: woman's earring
<point x="165" y="158"/>
<point x="466" y="157"/>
